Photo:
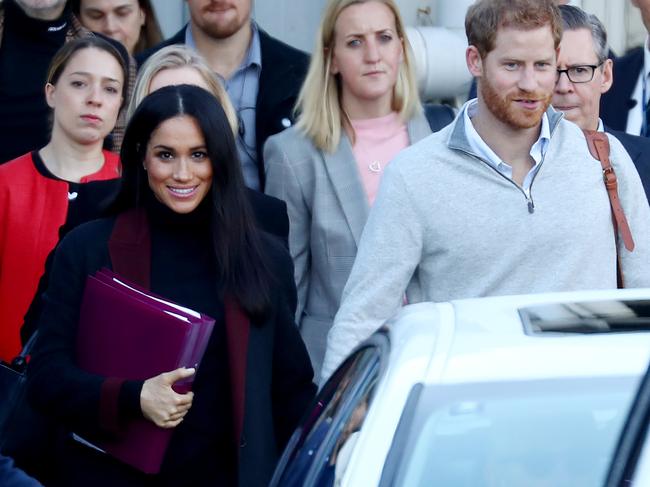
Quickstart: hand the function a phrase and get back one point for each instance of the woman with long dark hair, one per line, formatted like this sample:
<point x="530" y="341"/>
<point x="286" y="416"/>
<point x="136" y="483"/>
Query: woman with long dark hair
<point x="183" y="180"/>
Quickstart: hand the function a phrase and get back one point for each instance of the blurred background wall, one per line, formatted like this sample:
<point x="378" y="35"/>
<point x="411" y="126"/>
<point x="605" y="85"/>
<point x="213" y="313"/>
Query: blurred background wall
<point x="435" y="31"/>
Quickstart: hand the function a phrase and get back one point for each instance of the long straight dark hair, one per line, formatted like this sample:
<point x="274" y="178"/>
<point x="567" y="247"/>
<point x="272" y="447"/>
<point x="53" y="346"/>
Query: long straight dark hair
<point x="241" y="264"/>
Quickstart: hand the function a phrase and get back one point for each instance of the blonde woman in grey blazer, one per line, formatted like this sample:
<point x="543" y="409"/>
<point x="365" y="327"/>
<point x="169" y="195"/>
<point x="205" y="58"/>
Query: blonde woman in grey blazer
<point x="362" y="69"/>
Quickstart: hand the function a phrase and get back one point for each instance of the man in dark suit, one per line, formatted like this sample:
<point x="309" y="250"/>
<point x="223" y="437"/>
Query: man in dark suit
<point x="584" y="74"/>
<point x="623" y="107"/>
<point x="261" y="74"/>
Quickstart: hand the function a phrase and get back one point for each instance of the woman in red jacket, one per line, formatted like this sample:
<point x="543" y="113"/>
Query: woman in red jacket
<point x="72" y="179"/>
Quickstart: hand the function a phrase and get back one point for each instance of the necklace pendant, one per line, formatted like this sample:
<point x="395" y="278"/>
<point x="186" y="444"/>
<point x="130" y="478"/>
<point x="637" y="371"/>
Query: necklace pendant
<point x="375" y="166"/>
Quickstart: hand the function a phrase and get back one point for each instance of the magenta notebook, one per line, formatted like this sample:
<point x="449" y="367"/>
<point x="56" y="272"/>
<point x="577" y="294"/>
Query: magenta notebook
<point x="129" y="333"/>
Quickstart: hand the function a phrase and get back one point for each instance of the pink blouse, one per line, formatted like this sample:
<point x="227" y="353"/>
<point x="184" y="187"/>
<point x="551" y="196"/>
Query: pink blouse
<point x="377" y="142"/>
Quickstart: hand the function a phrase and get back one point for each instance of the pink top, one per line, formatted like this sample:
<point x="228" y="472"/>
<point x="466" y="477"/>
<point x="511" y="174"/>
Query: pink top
<point x="377" y="141"/>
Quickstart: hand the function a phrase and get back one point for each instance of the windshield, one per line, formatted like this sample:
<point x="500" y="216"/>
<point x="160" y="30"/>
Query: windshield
<point x="535" y="434"/>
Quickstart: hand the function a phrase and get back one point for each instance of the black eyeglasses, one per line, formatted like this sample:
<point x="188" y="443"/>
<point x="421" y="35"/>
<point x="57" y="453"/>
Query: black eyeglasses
<point x="579" y="74"/>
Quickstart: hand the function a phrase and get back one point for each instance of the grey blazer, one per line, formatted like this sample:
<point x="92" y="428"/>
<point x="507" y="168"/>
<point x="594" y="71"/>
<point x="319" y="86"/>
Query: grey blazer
<point x="328" y="208"/>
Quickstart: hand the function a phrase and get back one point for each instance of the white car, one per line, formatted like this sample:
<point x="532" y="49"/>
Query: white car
<point x="510" y="391"/>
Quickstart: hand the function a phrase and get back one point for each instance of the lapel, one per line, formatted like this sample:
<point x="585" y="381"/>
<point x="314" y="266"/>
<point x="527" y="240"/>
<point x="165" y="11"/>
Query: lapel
<point x="344" y="176"/>
<point x="129" y="247"/>
<point x="614" y="104"/>
<point x="418" y="128"/>
<point x="346" y="181"/>
<point x="276" y="78"/>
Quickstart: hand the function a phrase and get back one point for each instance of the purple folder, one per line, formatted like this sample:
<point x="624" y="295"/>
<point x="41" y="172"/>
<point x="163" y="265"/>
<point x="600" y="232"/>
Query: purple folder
<point x="129" y="333"/>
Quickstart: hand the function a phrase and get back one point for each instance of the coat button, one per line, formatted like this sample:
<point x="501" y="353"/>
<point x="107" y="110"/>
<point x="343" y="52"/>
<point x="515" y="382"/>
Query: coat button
<point x="286" y="123"/>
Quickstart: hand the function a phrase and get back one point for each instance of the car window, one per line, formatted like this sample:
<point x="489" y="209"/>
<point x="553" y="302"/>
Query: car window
<point x="630" y="465"/>
<point x="544" y="433"/>
<point x="321" y="447"/>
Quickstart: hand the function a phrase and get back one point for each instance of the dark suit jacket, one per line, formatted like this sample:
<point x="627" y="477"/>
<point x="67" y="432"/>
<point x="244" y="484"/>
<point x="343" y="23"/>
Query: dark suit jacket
<point x="615" y="104"/>
<point x="639" y="150"/>
<point x="283" y="70"/>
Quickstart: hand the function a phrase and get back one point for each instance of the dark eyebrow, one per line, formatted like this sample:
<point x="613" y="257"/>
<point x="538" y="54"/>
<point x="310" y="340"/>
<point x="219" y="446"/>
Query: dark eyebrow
<point x="83" y="73"/>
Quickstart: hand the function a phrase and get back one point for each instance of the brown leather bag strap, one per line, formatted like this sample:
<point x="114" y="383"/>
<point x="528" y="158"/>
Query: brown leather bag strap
<point x="599" y="147"/>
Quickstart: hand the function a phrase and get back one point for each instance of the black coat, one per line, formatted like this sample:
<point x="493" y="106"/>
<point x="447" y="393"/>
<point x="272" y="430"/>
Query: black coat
<point x="639" y="150"/>
<point x="615" y="104"/>
<point x="283" y="71"/>
<point x="277" y="382"/>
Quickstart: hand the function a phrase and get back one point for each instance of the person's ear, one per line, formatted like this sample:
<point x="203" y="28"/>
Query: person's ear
<point x="143" y="17"/>
<point x="608" y="76"/>
<point x="474" y="61"/>
<point x="50" y="98"/>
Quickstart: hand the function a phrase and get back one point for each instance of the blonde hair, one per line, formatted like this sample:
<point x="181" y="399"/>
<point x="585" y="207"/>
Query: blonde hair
<point x="320" y="113"/>
<point x="174" y="57"/>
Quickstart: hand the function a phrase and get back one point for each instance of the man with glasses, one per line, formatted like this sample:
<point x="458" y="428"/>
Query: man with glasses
<point x="505" y="200"/>
<point x="584" y="75"/>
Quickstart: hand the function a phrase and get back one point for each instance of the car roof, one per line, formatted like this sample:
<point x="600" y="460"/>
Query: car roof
<point x="479" y="340"/>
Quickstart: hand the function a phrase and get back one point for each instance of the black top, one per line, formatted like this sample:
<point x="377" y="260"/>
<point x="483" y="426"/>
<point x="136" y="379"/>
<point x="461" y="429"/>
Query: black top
<point x="202" y="451"/>
<point x="183" y="269"/>
<point x="28" y="46"/>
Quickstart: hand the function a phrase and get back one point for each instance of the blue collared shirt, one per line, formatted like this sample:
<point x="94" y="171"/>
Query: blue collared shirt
<point x="242" y="88"/>
<point x="479" y="146"/>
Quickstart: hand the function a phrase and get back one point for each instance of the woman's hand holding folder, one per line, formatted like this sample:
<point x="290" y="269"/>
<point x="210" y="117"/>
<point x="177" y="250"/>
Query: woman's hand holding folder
<point x="162" y="405"/>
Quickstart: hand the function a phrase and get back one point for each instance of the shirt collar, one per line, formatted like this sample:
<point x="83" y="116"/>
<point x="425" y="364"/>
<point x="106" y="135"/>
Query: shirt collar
<point x="646" y="56"/>
<point x="601" y="126"/>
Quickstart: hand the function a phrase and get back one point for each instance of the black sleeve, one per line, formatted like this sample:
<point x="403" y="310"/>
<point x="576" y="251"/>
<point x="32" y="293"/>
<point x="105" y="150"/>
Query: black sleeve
<point x="293" y="387"/>
<point x="56" y="385"/>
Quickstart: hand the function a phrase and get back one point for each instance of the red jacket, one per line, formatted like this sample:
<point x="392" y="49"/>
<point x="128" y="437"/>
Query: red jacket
<point x="33" y="207"/>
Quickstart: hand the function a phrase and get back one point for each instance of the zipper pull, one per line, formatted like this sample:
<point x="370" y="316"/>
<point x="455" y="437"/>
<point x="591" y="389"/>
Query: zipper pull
<point x="531" y="206"/>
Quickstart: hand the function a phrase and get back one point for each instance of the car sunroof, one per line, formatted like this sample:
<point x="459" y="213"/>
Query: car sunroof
<point x="587" y="317"/>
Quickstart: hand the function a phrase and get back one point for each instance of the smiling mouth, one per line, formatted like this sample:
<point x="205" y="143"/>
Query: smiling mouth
<point x="182" y="192"/>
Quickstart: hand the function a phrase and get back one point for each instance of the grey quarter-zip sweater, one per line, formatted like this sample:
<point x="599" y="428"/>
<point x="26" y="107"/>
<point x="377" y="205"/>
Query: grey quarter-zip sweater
<point x="446" y="225"/>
